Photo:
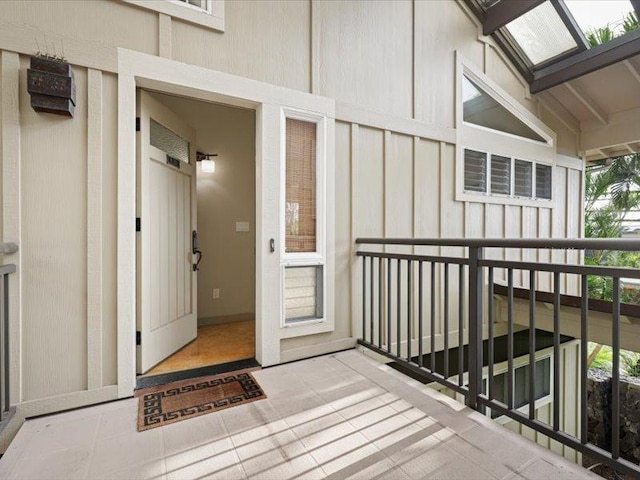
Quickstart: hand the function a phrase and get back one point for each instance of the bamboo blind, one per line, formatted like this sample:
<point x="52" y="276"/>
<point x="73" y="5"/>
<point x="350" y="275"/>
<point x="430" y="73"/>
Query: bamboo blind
<point x="300" y="208"/>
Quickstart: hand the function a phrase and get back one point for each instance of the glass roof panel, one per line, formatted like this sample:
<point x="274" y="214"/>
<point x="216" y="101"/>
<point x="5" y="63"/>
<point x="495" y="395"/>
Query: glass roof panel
<point x="593" y="15"/>
<point x="541" y="34"/>
<point x="481" y="109"/>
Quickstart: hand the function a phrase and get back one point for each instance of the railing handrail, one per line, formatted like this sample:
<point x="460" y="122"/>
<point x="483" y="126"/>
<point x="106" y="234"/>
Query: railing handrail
<point x="394" y="294"/>
<point x="6" y="269"/>
<point x="622" y="244"/>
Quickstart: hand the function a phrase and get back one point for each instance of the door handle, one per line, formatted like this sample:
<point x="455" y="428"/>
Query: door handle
<point x="272" y="245"/>
<point x="195" y="250"/>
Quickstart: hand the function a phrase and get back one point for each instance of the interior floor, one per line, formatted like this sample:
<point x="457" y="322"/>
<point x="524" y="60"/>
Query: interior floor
<point x="215" y="344"/>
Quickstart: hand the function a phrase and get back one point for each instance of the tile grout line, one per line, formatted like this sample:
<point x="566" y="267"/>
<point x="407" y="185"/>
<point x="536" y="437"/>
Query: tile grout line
<point x="93" y="447"/>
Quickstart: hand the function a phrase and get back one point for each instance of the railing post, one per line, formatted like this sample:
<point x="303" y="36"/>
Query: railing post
<point x="6" y="404"/>
<point x="476" y="308"/>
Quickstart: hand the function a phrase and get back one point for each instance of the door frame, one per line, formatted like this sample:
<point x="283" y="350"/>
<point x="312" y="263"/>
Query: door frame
<point x="139" y="70"/>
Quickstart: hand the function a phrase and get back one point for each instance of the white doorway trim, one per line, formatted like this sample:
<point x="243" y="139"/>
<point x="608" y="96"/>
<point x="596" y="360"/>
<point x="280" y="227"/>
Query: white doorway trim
<point x="137" y="69"/>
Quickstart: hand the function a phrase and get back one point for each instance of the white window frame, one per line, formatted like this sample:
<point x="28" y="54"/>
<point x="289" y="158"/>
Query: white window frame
<point x="503" y="367"/>
<point x="483" y="139"/>
<point x="305" y="259"/>
<point x="212" y="17"/>
<point x="520" y="362"/>
<point x="207" y="9"/>
<point x="511" y="198"/>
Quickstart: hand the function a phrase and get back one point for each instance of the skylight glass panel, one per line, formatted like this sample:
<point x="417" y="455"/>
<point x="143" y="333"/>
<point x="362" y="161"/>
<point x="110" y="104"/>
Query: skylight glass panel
<point x="592" y="16"/>
<point x="479" y="108"/>
<point x="541" y="34"/>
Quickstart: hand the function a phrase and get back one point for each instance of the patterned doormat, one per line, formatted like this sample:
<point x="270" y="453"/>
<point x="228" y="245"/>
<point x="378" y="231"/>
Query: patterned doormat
<point x="177" y="401"/>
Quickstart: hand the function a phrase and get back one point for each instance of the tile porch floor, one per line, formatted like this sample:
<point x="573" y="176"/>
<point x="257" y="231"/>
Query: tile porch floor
<point x="336" y="416"/>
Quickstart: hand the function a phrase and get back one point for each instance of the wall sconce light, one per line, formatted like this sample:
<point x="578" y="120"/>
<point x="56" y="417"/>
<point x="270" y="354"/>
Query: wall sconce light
<point x="208" y="164"/>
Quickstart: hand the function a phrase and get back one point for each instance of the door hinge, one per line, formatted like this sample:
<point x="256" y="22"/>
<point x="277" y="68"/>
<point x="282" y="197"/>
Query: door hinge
<point x="137" y="224"/>
<point x="137" y="124"/>
<point x="138" y="338"/>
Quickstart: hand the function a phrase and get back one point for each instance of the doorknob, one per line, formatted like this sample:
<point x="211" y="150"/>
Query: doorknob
<point x="272" y="245"/>
<point x="195" y="250"/>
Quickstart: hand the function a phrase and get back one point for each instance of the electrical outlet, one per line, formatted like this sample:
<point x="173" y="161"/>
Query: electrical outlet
<point x="216" y="293"/>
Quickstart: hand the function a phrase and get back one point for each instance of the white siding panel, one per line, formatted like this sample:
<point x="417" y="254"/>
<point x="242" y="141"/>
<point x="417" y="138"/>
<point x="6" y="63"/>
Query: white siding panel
<point x="54" y="246"/>
<point x="359" y="65"/>
<point x="558" y="226"/>
<point x="545" y="280"/>
<point x="344" y="242"/>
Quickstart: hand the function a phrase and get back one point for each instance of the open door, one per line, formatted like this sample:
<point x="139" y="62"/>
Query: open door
<point x="166" y="240"/>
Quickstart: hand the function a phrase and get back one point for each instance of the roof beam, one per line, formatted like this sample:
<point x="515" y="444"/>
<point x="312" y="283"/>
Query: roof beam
<point x="633" y="70"/>
<point x="588" y="61"/>
<point x="559" y="111"/>
<point x="592" y="106"/>
<point x="498" y="15"/>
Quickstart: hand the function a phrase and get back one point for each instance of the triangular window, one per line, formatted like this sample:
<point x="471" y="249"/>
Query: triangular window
<point x="481" y="109"/>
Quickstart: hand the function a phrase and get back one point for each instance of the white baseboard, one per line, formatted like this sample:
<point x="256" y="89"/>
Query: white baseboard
<point x="318" y="349"/>
<point x="240" y="317"/>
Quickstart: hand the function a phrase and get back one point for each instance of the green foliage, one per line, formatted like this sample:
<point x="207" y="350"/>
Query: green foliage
<point x="629" y="361"/>
<point x="601" y="288"/>
<point x="599" y="36"/>
<point x="631" y="22"/>
<point x="603" y="222"/>
<point x="604" y="359"/>
<point x="623" y="175"/>
<point x="609" y="195"/>
<point x="605" y="34"/>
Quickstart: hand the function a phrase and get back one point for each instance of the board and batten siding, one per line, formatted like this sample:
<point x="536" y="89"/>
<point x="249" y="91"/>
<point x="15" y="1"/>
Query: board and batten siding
<point x="395" y="157"/>
<point x="403" y="186"/>
<point x="59" y="206"/>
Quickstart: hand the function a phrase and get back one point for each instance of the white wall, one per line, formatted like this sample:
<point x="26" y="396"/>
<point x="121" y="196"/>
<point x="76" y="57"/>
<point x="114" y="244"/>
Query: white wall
<point x="224" y="198"/>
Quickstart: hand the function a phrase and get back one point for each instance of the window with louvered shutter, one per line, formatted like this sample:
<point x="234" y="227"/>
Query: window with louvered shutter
<point x="523" y="179"/>
<point x="475" y="171"/>
<point x="500" y="174"/>
<point x="543" y="181"/>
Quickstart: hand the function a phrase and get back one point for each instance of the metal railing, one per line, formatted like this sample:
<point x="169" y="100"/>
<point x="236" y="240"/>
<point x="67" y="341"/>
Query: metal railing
<point x="5" y="398"/>
<point x="400" y="292"/>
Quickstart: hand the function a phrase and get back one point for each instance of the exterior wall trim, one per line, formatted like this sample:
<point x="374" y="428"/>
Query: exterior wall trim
<point x="346" y="112"/>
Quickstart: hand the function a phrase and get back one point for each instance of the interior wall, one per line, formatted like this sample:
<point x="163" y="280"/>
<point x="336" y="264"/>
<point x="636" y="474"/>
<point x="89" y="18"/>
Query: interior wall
<point x="225" y="197"/>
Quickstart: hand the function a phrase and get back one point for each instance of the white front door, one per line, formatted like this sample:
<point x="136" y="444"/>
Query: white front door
<point x="166" y="206"/>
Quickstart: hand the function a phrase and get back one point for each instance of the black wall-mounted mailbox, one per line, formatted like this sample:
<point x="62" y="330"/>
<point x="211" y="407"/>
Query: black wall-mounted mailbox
<point x="51" y="86"/>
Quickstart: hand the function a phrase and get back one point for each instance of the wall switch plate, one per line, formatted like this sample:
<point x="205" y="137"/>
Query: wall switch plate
<point x="216" y="293"/>
<point x="242" y="226"/>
